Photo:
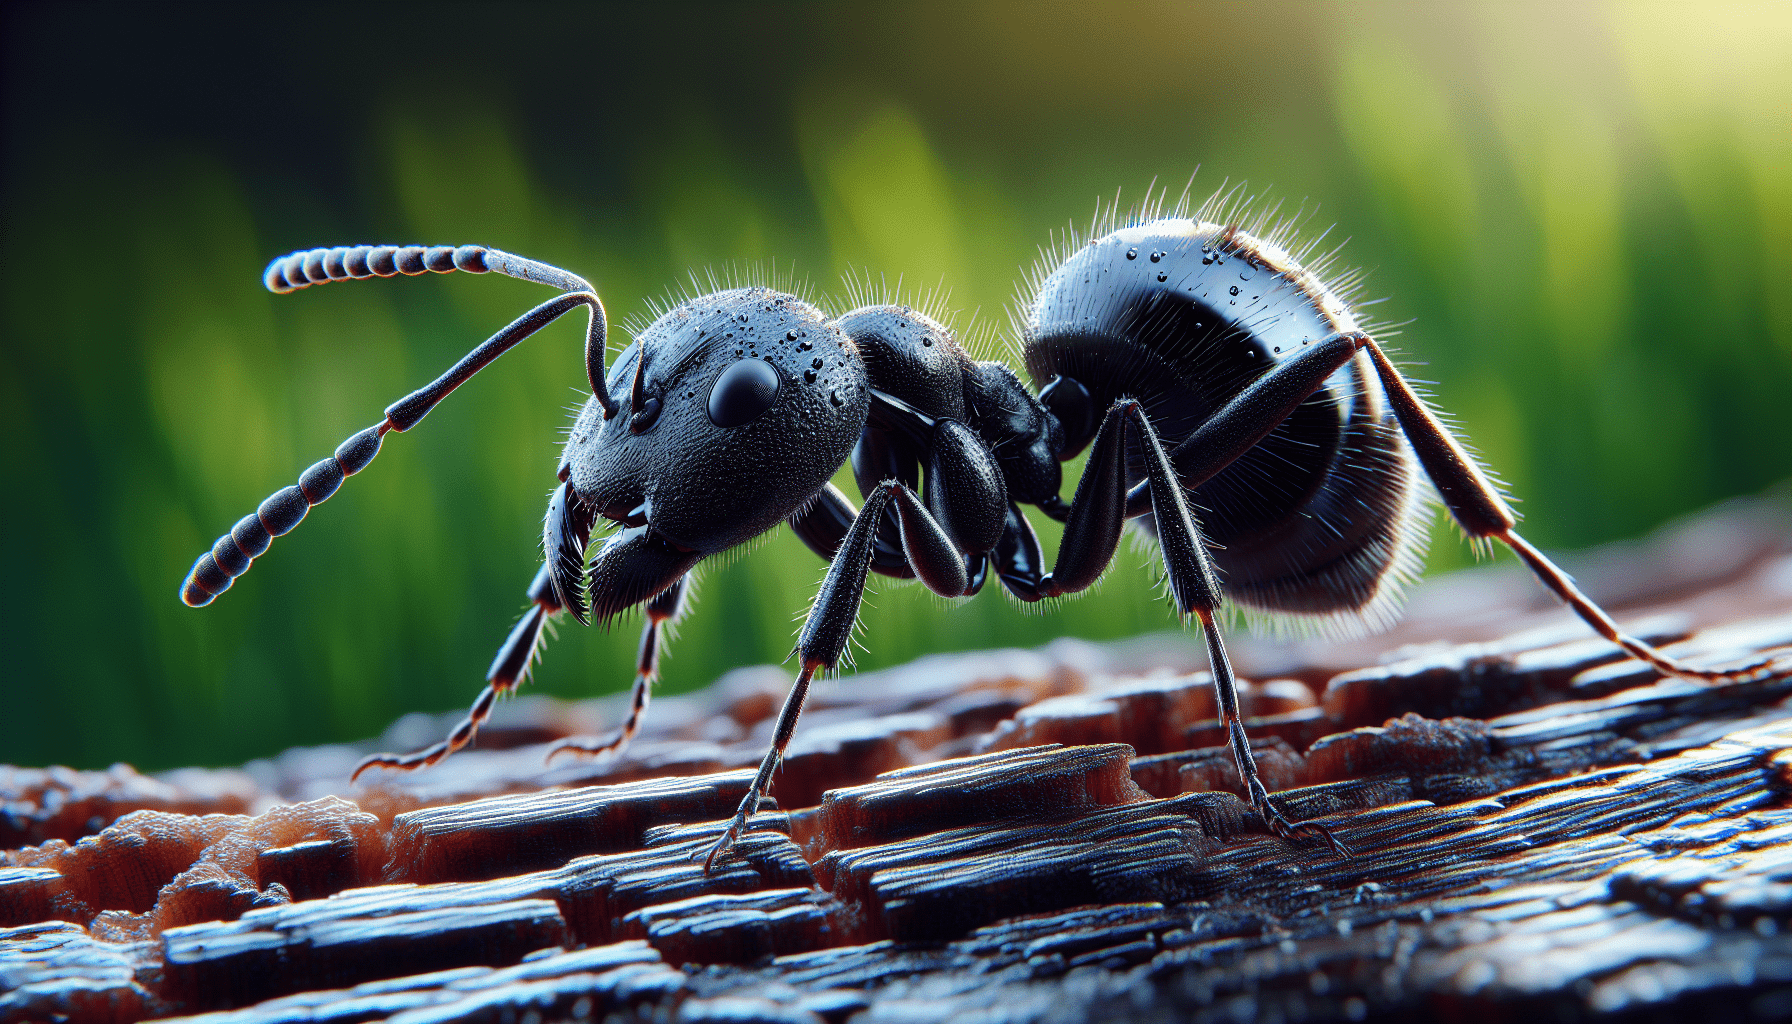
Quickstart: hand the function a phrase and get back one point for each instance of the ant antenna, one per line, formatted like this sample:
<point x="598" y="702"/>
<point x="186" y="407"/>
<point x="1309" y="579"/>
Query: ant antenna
<point x="232" y="554"/>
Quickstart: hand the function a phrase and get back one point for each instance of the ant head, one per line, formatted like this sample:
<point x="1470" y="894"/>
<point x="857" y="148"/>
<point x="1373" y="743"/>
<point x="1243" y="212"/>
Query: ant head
<point x="732" y="410"/>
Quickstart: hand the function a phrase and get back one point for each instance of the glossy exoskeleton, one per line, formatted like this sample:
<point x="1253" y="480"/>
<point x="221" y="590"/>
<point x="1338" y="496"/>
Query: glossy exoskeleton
<point x="1204" y="366"/>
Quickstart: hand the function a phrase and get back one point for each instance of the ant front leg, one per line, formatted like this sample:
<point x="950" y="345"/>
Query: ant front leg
<point x="1091" y="535"/>
<point x="1477" y="506"/>
<point x="509" y="670"/>
<point x="663" y="612"/>
<point x="828" y="627"/>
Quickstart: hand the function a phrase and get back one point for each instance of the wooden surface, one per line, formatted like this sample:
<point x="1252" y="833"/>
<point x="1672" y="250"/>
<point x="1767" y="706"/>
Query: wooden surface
<point x="1538" y="827"/>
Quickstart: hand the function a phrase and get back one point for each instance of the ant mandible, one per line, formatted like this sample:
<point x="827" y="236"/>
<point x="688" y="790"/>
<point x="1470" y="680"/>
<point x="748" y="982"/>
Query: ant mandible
<point x="1203" y="361"/>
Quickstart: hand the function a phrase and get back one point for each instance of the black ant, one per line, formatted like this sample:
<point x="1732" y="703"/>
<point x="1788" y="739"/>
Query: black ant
<point x="1205" y="364"/>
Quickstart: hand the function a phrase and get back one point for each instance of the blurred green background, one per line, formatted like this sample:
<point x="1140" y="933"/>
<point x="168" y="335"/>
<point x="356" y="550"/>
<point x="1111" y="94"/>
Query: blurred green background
<point x="1585" y="212"/>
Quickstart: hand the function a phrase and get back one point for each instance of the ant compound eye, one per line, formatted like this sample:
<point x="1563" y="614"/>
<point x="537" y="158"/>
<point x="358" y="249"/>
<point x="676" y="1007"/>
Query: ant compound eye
<point x="743" y="392"/>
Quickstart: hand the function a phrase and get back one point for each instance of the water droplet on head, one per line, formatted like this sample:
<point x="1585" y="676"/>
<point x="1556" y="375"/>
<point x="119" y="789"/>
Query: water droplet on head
<point x="808" y="376"/>
<point x="1156" y="256"/>
<point x="790" y="335"/>
<point x="1162" y="276"/>
<point x="834" y="397"/>
<point x="817" y="362"/>
<point x="1235" y="289"/>
<point x="804" y="346"/>
<point x="1132" y="254"/>
<point x="927" y="341"/>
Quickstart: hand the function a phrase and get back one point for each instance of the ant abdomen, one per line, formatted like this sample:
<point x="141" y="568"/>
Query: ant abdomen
<point x="1183" y="315"/>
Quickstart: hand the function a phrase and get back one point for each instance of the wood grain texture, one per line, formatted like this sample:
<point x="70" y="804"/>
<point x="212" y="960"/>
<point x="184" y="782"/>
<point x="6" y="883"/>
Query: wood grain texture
<point x="1539" y="826"/>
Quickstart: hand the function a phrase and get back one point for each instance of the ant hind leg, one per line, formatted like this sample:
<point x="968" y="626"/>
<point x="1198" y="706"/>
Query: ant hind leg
<point x="1477" y="506"/>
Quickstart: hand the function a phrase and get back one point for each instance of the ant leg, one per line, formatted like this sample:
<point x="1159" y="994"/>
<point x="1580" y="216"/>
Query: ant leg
<point x="509" y="670"/>
<point x="232" y="554"/>
<point x="662" y="613"/>
<point x="1478" y="508"/>
<point x="1472" y="500"/>
<point x="828" y="627"/>
<point x="1019" y="561"/>
<point x="630" y="566"/>
<point x="1097" y="513"/>
<point x="822" y="523"/>
<point x="965" y="489"/>
<point x="1188" y="569"/>
<point x="882" y="455"/>
<point x="1225" y="688"/>
<point x="1250" y="416"/>
<point x="976" y="570"/>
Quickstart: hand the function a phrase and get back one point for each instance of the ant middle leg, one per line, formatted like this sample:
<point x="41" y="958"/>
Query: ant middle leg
<point x="663" y="612"/>
<point x="509" y="670"/>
